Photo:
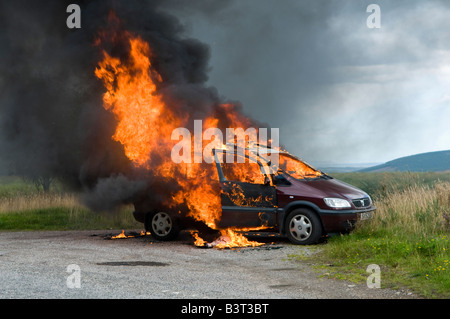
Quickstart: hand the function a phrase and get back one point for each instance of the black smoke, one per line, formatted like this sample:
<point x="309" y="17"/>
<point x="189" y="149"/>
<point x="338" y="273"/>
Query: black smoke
<point x="52" y="122"/>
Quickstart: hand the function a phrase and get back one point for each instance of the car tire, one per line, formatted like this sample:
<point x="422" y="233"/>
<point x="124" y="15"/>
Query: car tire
<point x="162" y="226"/>
<point x="303" y="227"/>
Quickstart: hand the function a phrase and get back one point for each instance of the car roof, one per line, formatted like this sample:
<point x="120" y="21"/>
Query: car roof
<point x="259" y="151"/>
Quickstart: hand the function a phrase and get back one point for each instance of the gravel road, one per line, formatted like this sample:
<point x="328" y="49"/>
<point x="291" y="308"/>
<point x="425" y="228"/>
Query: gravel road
<point x="35" y="264"/>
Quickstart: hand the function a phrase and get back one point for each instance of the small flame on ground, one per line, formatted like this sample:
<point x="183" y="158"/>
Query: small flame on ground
<point x="198" y="240"/>
<point x="122" y="235"/>
<point x="228" y="239"/>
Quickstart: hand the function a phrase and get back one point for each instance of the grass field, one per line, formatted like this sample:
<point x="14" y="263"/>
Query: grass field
<point x="408" y="237"/>
<point x="23" y="207"/>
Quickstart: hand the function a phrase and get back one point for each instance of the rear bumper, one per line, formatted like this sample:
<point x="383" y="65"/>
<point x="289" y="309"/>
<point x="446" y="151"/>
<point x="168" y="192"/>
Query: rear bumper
<point x="139" y="216"/>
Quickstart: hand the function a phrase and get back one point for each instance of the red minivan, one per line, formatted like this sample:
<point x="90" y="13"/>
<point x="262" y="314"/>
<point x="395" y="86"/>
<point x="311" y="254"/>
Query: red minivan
<point x="293" y="200"/>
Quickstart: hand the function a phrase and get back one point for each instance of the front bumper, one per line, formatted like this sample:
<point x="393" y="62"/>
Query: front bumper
<point x="334" y="221"/>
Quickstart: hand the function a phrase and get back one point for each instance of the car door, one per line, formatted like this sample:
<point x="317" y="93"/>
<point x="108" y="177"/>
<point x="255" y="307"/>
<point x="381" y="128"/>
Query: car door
<point x="248" y="196"/>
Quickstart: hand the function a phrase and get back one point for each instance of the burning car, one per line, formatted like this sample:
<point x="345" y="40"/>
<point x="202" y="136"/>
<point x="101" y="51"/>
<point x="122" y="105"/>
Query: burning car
<point x="149" y="103"/>
<point x="295" y="201"/>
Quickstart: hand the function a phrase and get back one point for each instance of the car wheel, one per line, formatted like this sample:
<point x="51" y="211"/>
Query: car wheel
<point x="162" y="226"/>
<point x="303" y="227"/>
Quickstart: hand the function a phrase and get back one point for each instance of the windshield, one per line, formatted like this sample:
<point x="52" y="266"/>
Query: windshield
<point x="287" y="164"/>
<point x="296" y="168"/>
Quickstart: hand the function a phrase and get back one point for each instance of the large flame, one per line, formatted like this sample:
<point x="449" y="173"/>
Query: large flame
<point x="145" y="124"/>
<point x="131" y="95"/>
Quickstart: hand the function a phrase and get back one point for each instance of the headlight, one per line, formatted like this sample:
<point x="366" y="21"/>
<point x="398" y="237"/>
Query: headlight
<point x="337" y="202"/>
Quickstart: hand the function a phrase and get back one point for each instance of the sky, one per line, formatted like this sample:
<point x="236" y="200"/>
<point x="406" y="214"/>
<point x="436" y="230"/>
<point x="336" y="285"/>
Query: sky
<point x="339" y="91"/>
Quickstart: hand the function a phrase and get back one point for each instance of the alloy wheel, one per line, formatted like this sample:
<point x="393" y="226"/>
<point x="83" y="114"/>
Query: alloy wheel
<point x="161" y="224"/>
<point x="300" y="227"/>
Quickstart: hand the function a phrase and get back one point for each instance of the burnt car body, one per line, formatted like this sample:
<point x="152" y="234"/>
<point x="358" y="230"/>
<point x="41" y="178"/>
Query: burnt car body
<point x="293" y="200"/>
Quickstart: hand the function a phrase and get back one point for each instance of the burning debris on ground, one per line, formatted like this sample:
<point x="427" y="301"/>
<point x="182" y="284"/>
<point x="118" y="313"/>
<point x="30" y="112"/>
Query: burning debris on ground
<point x="228" y="239"/>
<point x="225" y="239"/>
<point x="129" y="234"/>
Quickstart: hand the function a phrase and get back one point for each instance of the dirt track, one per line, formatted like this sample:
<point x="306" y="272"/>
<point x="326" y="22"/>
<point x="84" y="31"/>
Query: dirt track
<point x="34" y="265"/>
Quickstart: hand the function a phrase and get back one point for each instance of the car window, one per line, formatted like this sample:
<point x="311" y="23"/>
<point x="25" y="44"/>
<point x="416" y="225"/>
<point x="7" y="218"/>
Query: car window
<point x="297" y="168"/>
<point x="243" y="172"/>
<point x="280" y="180"/>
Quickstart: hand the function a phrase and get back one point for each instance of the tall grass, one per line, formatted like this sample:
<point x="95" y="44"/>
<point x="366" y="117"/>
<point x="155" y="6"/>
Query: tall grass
<point x="408" y="237"/>
<point x="39" y="200"/>
<point x="381" y="184"/>
<point x="420" y="210"/>
<point x="23" y="207"/>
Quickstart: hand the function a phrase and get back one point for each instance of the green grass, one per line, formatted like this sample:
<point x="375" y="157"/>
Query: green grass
<point x="63" y="218"/>
<point x="23" y="207"/>
<point x="408" y="237"/>
<point x="420" y="264"/>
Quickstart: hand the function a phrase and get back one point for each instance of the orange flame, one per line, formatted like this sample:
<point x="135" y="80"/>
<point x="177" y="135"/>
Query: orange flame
<point x="131" y="95"/>
<point x="121" y="235"/>
<point x="231" y="239"/>
<point x="145" y="124"/>
<point x="198" y="240"/>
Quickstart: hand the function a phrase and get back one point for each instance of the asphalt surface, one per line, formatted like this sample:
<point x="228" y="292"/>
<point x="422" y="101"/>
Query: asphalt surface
<point x="37" y="265"/>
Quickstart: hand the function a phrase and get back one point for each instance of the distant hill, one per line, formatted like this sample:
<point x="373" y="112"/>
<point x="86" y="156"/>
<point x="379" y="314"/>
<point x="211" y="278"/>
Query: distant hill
<point x="345" y="168"/>
<point x="425" y="162"/>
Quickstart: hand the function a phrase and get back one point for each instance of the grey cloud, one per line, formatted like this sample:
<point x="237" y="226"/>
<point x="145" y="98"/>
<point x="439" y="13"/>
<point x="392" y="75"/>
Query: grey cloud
<point x="303" y="65"/>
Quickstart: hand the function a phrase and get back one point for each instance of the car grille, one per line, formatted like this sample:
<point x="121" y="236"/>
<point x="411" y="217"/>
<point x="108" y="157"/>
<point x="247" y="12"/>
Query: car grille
<point x="362" y="202"/>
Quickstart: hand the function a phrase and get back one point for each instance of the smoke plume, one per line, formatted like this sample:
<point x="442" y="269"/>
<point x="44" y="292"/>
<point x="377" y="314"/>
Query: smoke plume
<point x="52" y="121"/>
